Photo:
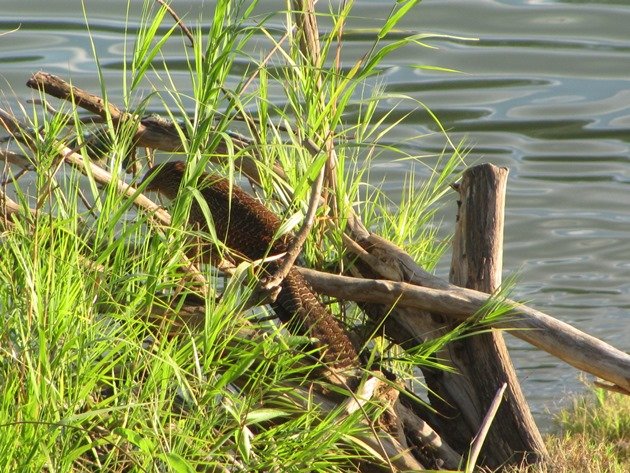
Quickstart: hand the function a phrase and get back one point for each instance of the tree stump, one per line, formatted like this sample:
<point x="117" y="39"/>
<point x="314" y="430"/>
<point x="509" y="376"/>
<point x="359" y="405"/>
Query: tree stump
<point x="482" y="362"/>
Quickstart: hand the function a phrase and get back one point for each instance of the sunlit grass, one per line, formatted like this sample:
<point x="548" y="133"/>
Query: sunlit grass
<point x="592" y="435"/>
<point x="92" y="381"/>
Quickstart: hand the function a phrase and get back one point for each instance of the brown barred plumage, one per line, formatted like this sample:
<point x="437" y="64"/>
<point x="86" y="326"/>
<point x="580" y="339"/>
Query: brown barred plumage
<point x="248" y="227"/>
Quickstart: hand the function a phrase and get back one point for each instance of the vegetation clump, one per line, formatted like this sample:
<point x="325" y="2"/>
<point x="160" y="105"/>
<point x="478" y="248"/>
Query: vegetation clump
<point x="118" y="352"/>
<point x="122" y="350"/>
<point x="594" y="435"/>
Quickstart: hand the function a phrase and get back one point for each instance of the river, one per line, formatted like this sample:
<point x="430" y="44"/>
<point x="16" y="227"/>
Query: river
<point x="544" y="90"/>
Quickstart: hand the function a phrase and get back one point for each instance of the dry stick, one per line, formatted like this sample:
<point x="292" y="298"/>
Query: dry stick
<point x="8" y="208"/>
<point x="306" y="21"/>
<point x="310" y="48"/>
<point x="59" y="88"/>
<point x="560" y="339"/>
<point x="12" y="157"/>
<point x="612" y="388"/>
<point x="297" y="242"/>
<point x="477" y="443"/>
<point x="265" y="60"/>
<point x="100" y="175"/>
<point x="179" y="21"/>
<point x="104" y="177"/>
<point x="150" y="133"/>
<point x="146" y="135"/>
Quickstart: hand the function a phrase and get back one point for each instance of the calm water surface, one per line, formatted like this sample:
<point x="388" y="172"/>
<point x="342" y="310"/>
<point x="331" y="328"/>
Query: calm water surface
<point x="545" y="91"/>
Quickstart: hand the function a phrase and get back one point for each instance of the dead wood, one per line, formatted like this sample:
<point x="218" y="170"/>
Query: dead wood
<point x="152" y="132"/>
<point x="482" y="363"/>
<point x="560" y="339"/>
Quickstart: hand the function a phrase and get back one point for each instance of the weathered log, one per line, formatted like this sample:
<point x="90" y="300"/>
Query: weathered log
<point x="482" y="363"/>
<point x="152" y="132"/>
<point x="557" y="338"/>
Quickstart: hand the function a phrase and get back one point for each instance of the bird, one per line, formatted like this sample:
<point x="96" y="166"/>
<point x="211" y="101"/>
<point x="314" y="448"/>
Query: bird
<point x="249" y="229"/>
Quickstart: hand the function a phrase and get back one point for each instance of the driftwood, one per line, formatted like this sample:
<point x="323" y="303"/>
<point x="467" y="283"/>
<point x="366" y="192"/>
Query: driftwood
<point x="557" y="338"/>
<point x="482" y="362"/>
<point x="152" y="132"/>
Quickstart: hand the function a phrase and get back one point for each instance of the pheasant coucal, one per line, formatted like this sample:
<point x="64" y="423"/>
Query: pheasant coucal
<point x="247" y="227"/>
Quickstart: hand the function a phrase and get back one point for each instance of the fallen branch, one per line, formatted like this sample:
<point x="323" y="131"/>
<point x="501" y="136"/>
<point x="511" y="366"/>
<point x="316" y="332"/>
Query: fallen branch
<point x="557" y="338"/>
<point x="152" y="132"/>
<point x="475" y="448"/>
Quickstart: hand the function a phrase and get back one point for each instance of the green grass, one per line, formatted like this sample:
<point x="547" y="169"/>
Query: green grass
<point x="101" y="368"/>
<point x="592" y="435"/>
<point x="91" y="382"/>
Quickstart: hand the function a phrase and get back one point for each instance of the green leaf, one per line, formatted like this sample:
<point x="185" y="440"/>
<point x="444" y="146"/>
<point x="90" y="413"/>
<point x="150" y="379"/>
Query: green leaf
<point x="262" y="415"/>
<point x="395" y="17"/>
<point x="176" y="463"/>
<point x="239" y="368"/>
<point x="143" y="443"/>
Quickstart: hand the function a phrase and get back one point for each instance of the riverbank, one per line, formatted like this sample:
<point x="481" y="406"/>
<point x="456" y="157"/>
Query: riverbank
<point x="592" y="435"/>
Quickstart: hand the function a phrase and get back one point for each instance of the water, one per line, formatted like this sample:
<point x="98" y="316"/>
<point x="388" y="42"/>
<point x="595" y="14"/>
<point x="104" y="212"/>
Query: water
<point x="544" y="91"/>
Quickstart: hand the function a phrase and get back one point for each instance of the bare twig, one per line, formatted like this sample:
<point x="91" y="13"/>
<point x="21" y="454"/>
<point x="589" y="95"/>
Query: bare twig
<point x="57" y="87"/>
<point x="612" y="388"/>
<point x="477" y="443"/>
<point x="12" y="157"/>
<point x="8" y="208"/>
<point x="151" y="132"/>
<point x="307" y="27"/>
<point x="300" y="237"/>
<point x="179" y="21"/>
<point x="265" y="60"/>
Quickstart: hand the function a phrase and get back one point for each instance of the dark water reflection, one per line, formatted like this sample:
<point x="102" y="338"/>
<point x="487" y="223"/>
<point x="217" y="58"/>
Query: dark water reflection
<point x="545" y="91"/>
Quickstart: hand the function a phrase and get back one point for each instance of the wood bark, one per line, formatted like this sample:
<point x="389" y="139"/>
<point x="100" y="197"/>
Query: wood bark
<point x="557" y="338"/>
<point x="481" y="362"/>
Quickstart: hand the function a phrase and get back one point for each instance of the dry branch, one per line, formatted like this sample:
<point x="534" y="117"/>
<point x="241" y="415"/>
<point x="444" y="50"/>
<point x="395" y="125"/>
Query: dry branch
<point x="560" y="339"/>
<point x="152" y="132"/>
<point x="481" y="363"/>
